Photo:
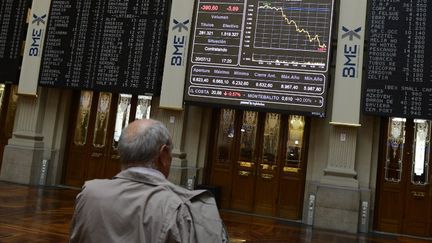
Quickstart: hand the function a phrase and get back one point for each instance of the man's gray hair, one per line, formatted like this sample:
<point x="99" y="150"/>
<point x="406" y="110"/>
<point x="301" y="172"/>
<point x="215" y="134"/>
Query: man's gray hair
<point x="141" y="146"/>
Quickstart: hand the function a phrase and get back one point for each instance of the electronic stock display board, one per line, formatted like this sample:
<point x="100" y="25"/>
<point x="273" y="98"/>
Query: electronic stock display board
<point x="105" y="45"/>
<point x="13" y="14"/>
<point x="399" y="64"/>
<point x="254" y="54"/>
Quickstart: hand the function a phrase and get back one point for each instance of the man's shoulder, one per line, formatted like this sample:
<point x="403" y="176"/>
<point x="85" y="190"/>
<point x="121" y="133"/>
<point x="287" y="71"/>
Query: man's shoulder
<point x="201" y="203"/>
<point x="164" y="186"/>
<point x="190" y="195"/>
<point x="163" y="192"/>
<point x="99" y="184"/>
<point x="96" y="184"/>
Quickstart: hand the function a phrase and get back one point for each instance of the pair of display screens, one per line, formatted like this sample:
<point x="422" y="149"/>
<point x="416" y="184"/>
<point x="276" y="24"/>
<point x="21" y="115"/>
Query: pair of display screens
<point x="269" y="55"/>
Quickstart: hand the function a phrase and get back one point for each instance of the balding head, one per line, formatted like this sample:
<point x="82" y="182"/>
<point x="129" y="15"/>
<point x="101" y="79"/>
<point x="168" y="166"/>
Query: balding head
<point x="142" y="142"/>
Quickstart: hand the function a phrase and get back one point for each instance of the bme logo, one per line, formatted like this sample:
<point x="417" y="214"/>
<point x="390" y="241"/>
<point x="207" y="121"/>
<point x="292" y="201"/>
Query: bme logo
<point x="36" y="35"/>
<point x="351" y="53"/>
<point x="179" y="42"/>
<point x="38" y="20"/>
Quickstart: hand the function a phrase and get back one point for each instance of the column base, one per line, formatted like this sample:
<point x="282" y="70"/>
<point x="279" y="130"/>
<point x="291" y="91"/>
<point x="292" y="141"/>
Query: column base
<point x="177" y="175"/>
<point x="22" y="164"/>
<point x="340" y="181"/>
<point x="340" y="177"/>
<point x="337" y="209"/>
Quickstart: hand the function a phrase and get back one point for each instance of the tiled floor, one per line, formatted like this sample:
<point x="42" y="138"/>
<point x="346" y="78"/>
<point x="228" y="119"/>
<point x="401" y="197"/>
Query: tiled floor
<point x="36" y="214"/>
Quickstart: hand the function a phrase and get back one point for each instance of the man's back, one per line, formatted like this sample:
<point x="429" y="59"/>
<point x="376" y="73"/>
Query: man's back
<point x="142" y="206"/>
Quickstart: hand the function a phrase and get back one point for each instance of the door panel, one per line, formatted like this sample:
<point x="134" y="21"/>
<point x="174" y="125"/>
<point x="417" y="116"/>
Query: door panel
<point x="121" y="114"/>
<point x="404" y="193"/>
<point x="267" y="177"/>
<point x="259" y="162"/>
<point x="418" y="206"/>
<point x="417" y="212"/>
<point x="391" y="209"/>
<point x="224" y="153"/>
<point x="222" y="177"/>
<point x="242" y="197"/>
<point x="291" y="196"/>
<point x="293" y="171"/>
<point x="84" y="105"/>
<point x="95" y="165"/>
<point x="100" y="118"/>
<point x="127" y="109"/>
<point x="391" y="199"/>
<point x="8" y="100"/>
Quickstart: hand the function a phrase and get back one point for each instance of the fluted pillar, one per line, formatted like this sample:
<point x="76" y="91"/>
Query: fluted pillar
<point x="340" y="169"/>
<point x="175" y="121"/>
<point x="189" y="135"/>
<point x="34" y="154"/>
<point x="23" y="155"/>
<point x="337" y="194"/>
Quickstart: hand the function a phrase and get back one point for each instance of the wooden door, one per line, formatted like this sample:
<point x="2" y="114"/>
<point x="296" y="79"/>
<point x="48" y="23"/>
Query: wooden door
<point x="258" y="160"/>
<point x="100" y="136"/>
<point x="293" y="169"/>
<point x="404" y="192"/>
<point x="127" y="109"/>
<point x="121" y="117"/>
<point x="223" y="150"/>
<point x="8" y="104"/>
<point x="245" y="168"/>
<point x="418" y="207"/>
<point x="87" y="138"/>
<point x="267" y="179"/>
<point x="98" y="119"/>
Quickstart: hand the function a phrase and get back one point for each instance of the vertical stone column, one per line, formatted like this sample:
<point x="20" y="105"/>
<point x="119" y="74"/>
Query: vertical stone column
<point x="174" y="120"/>
<point x="340" y="169"/>
<point x="23" y="155"/>
<point x="189" y="140"/>
<point x="338" y="195"/>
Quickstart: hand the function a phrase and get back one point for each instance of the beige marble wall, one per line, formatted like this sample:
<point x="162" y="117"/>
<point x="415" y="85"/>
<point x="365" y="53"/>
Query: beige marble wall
<point x="339" y="171"/>
<point x="189" y="130"/>
<point x="39" y="135"/>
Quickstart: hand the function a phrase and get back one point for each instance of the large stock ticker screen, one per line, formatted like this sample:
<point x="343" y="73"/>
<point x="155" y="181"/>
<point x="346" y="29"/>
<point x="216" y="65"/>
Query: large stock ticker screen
<point x="13" y="14"/>
<point x="270" y="55"/>
<point x="398" y="71"/>
<point x="105" y="45"/>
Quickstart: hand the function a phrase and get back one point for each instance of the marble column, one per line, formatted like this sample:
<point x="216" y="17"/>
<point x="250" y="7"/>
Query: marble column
<point x="337" y="194"/>
<point x="340" y="169"/>
<point x="188" y="128"/>
<point x="175" y="121"/>
<point x="34" y="154"/>
<point x="23" y="155"/>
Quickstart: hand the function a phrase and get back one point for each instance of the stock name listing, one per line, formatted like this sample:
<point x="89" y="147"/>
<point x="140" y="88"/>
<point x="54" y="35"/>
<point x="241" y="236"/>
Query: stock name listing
<point x="264" y="54"/>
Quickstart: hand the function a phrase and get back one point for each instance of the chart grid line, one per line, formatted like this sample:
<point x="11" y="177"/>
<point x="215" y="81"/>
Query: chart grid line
<point x="296" y="26"/>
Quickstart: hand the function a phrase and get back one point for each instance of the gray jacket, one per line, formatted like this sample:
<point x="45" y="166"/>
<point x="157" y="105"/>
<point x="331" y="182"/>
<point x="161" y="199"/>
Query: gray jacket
<point x="144" y="207"/>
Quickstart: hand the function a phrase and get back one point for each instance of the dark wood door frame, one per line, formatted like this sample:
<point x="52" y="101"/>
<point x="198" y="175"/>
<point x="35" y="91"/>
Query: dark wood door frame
<point x="4" y="131"/>
<point x="85" y="162"/>
<point x="289" y="188"/>
<point x="402" y="207"/>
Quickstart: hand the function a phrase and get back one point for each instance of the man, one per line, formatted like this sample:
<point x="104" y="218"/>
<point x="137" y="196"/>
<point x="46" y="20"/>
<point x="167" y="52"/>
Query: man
<point x="139" y="204"/>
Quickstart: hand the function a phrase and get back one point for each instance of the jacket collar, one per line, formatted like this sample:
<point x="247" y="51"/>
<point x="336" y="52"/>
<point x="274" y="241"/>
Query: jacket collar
<point x="149" y="177"/>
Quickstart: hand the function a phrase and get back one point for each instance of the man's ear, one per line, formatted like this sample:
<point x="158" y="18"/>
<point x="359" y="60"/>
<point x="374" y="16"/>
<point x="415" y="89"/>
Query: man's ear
<point x="164" y="160"/>
<point x="163" y="149"/>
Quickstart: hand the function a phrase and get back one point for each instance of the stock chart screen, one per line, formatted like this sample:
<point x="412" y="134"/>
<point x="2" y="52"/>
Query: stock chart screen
<point x="269" y="55"/>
